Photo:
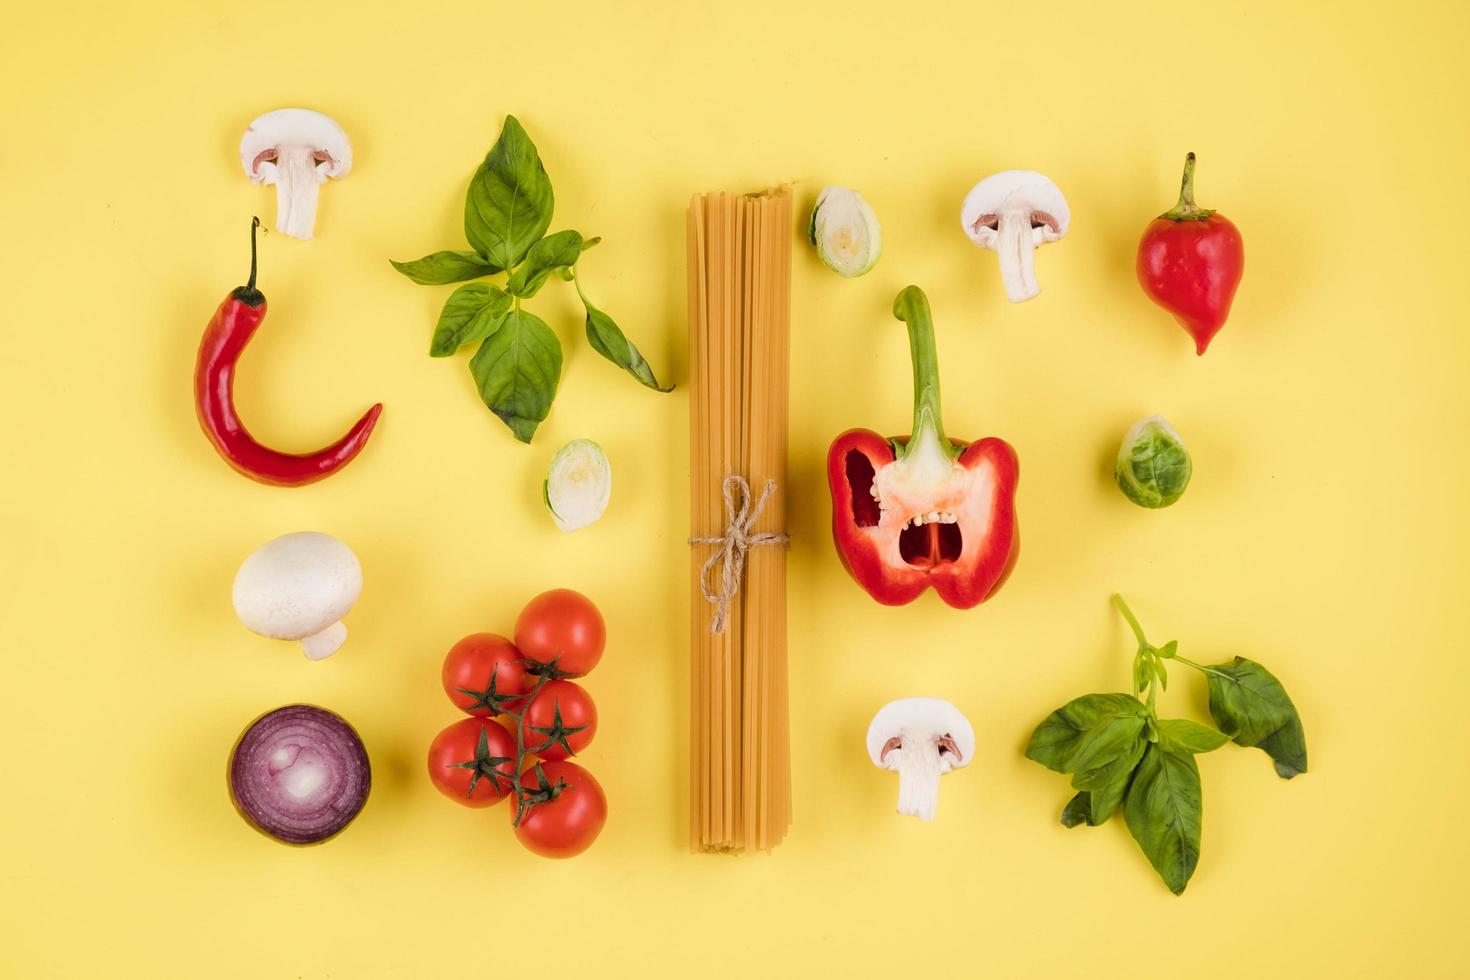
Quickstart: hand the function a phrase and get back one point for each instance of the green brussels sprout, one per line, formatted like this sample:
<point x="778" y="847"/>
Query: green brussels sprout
<point x="1153" y="466"/>
<point x="578" y="484"/>
<point x="845" y="231"/>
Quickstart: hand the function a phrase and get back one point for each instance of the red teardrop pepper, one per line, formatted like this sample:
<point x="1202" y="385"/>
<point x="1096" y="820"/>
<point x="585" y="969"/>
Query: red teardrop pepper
<point x="1190" y="262"/>
<point x="231" y="328"/>
<point x="908" y="513"/>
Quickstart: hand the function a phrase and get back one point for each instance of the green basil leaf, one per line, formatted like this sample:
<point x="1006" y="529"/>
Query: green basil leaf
<point x="472" y="312"/>
<point x="1163" y="813"/>
<point x="1287" y="747"/>
<point x="517" y="369"/>
<point x="605" y="337"/>
<point x="446" y="267"/>
<point x="1168" y="650"/>
<point x="1087" y="732"/>
<point x="1162" y="673"/>
<point x="1250" y="705"/>
<point x="509" y="203"/>
<point x="1077" y="811"/>
<point x="1105" y="800"/>
<point x="1142" y="668"/>
<point x="558" y="251"/>
<point x="1191" y="736"/>
<point x="1106" y="785"/>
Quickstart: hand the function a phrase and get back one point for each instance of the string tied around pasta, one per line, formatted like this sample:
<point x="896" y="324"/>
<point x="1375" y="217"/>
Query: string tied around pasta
<point x="740" y="517"/>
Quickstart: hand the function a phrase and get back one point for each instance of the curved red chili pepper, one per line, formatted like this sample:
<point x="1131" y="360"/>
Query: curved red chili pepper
<point x="231" y="328"/>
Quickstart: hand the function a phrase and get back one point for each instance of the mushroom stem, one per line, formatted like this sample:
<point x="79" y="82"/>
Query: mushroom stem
<point x="297" y="177"/>
<point x="1017" y="251"/>
<point x="321" y="645"/>
<point x="918" y="778"/>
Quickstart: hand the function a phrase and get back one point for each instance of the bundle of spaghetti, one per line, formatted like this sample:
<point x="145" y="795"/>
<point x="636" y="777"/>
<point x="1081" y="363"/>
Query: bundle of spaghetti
<point x="739" y="341"/>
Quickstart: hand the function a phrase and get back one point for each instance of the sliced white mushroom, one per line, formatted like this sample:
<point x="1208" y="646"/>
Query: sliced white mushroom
<point x="296" y="150"/>
<point x="1014" y="213"/>
<point x="299" y="587"/>
<point x="922" y="739"/>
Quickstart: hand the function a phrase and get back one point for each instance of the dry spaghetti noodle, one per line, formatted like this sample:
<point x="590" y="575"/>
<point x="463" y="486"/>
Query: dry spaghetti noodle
<point x="739" y="340"/>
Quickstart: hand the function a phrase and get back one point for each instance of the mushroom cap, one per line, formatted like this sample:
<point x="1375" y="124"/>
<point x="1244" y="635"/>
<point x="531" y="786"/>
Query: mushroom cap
<point x="1015" y="190"/>
<point x="301" y="128"/>
<point x="931" y="717"/>
<point x="296" y="585"/>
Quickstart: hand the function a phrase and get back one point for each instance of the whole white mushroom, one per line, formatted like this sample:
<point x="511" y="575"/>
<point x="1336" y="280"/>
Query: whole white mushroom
<point x="298" y="587"/>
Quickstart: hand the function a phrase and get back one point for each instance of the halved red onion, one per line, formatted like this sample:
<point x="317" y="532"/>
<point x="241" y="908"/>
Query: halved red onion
<point x="299" y="774"/>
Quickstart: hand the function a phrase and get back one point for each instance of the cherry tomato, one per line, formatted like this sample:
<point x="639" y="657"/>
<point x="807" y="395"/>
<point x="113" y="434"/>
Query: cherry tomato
<point x="567" y="825"/>
<point x="562" y="626"/>
<point x="560" y="721"/>
<point x="480" y="670"/>
<point x="473" y="761"/>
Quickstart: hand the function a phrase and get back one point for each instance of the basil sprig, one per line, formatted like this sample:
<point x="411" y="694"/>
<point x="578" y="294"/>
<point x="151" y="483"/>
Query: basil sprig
<point x="1119" y="753"/>
<point x="518" y="366"/>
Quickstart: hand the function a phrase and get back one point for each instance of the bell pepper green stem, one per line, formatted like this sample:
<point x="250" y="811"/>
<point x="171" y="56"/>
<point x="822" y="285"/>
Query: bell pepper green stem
<point x="1186" y="209"/>
<point x="912" y="307"/>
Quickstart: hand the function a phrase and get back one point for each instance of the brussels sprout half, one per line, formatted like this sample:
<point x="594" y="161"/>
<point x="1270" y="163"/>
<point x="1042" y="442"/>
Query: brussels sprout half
<point x="845" y="231"/>
<point x="578" y="484"/>
<point x="1153" y="467"/>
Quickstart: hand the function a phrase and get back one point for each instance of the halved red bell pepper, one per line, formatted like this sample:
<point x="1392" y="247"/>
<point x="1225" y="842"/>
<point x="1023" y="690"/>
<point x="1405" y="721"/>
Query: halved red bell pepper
<point x="922" y="510"/>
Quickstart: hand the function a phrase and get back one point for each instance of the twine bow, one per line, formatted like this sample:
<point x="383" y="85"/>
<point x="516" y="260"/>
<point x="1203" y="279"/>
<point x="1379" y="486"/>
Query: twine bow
<point x="734" y="543"/>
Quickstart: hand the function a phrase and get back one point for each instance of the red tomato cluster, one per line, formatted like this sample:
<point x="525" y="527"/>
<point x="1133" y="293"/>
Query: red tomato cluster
<point x="524" y="687"/>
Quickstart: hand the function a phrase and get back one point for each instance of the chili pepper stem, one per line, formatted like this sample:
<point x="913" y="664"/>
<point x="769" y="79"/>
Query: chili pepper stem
<point x="927" y="439"/>
<point x="254" y="224"/>
<point x="1186" y="209"/>
<point x="247" y="293"/>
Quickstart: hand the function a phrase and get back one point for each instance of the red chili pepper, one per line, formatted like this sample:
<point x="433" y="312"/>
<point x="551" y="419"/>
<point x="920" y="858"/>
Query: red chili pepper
<point x="911" y="512"/>
<point x="231" y="328"/>
<point x="1190" y="262"/>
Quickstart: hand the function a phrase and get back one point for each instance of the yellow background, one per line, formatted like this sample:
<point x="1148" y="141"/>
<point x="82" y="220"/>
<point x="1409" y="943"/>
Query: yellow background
<point x="1324" y="534"/>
